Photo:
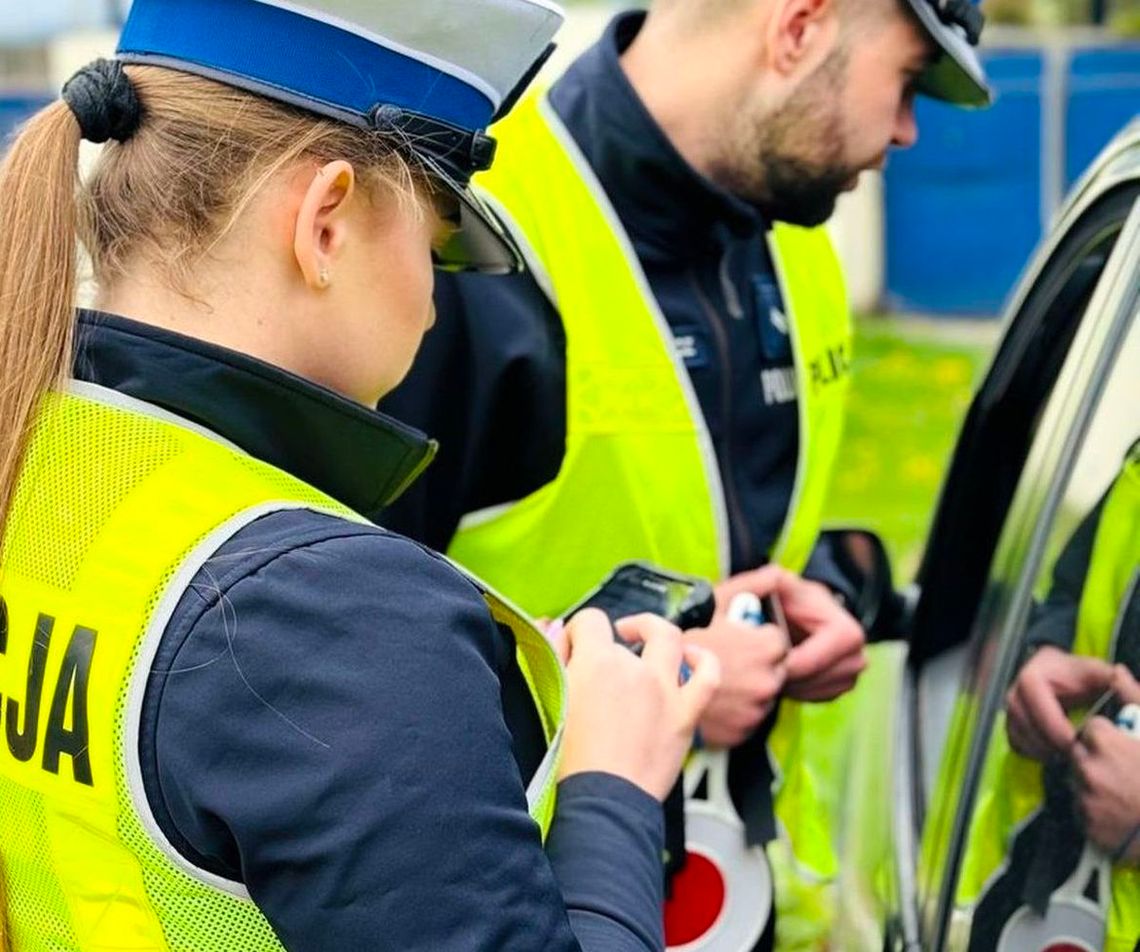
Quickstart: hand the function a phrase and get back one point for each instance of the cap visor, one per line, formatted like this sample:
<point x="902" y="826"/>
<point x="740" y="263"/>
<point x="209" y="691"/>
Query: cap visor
<point x="479" y="242"/>
<point x="957" y="76"/>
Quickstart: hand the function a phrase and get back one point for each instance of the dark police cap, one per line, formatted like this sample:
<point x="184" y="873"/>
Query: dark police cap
<point x="956" y="75"/>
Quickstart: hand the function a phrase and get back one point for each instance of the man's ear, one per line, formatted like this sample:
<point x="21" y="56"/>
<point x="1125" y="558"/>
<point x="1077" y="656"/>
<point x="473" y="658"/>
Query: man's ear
<point x="801" y="32"/>
<point x="322" y="222"/>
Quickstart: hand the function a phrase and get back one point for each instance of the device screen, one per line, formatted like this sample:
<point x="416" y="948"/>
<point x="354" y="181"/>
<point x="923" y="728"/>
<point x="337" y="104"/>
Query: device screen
<point x="632" y="591"/>
<point x="635" y="587"/>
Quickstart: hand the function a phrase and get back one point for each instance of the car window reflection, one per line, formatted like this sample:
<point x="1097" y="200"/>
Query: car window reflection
<point x="1042" y="824"/>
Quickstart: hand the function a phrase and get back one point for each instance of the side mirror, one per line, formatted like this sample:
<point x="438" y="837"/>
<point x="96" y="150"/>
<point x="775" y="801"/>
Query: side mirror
<point x="860" y="558"/>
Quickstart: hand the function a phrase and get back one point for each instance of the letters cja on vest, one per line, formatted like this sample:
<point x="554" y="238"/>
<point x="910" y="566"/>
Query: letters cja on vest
<point x="66" y="731"/>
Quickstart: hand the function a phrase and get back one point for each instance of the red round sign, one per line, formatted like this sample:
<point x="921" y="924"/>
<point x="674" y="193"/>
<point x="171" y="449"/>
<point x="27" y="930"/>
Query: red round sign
<point x="1064" y="946"/>
<point x="697" y="901"/>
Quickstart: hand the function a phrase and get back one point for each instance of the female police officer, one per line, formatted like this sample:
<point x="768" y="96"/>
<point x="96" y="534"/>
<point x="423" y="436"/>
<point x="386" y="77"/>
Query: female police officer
<point x="236" y="714"/>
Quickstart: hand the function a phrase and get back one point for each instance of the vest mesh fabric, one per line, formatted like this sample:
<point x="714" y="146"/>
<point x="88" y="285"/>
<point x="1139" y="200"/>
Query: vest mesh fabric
<point x="38" y="914"/>
<point x="115" y="510"/>
<point x="87" y="463"/>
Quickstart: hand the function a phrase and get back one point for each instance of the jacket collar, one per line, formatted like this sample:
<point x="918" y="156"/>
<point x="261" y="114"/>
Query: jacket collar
<point x="360" y="457"/>
<point x="664" y="203"/>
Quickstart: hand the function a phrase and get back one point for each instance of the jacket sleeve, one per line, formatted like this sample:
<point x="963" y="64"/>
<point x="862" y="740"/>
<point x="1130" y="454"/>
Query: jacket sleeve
<point x="490" y="385"/>
<point x="325" y="725"/>
<point x="1055" y="619"/>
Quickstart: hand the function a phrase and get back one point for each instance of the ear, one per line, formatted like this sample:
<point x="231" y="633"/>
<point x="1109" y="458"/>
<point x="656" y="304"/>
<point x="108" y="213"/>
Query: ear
<point x="322" y="226"/>
<point x="801" y="32"/>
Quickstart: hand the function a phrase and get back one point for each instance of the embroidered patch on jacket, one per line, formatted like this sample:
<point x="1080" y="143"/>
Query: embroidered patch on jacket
<point x="771" y="319"/>
<point x="692" y="345"/>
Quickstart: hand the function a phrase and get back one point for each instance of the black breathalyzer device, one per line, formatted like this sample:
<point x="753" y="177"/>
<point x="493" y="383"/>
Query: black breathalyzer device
<point x="636" y="587"/>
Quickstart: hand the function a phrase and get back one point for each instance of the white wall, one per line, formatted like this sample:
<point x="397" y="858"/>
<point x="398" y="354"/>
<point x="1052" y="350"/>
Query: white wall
<point x="857" y="228"/>
<point x="66" y="54"/>
<point x="75" y="49"/>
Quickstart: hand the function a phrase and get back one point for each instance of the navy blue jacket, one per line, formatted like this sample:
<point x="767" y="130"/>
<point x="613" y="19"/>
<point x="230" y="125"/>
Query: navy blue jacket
<point x="333" y="718"/>
<point x="490" y="382"/>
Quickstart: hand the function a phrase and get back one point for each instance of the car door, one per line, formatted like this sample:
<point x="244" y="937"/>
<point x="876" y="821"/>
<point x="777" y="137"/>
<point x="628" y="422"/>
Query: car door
<point x="1056" y="413"/>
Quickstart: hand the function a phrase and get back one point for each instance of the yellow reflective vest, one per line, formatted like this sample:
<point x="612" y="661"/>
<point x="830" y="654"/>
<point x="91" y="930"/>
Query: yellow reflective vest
<point x="117" y="507"/>
<point x="1011" y="790"/>
<point x="639" y="478"/>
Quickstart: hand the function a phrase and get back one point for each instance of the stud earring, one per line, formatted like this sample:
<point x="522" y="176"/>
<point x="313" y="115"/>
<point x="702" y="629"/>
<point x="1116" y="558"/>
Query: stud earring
<point x="323" y="278"/>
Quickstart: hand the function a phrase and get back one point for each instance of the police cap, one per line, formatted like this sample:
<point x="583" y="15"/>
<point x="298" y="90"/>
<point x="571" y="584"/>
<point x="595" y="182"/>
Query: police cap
<point x="434" y="72"/>
<point x="956" y="76"/>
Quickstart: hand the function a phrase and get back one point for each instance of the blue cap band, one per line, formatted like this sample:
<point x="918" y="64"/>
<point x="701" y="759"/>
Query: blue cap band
<point x="293" y="57"/>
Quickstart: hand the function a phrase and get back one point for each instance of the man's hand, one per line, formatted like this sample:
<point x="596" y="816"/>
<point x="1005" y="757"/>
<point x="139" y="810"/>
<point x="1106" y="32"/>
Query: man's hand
<point x="827" y="654"/>
<point x="1051" y="683"/>
<point x="752" y="664"/>
<point x="1106" y="761"/>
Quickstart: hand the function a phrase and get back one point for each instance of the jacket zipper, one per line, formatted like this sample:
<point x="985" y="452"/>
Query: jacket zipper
<point x="738" y="525"/>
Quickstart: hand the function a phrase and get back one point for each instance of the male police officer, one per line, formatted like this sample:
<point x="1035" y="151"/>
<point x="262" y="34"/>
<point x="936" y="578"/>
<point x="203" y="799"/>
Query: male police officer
<point x="1025" y="838"/>
<point x="684" y="404"/>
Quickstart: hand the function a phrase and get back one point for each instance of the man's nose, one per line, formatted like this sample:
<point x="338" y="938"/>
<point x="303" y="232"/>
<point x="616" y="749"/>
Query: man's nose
<point x="906" y="126"/>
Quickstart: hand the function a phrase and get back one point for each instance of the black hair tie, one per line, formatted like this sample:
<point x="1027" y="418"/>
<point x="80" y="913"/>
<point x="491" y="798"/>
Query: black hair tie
<point x="104" y="101"/>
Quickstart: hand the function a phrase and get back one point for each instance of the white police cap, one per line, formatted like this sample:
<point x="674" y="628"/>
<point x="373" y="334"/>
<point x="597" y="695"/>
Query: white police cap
<point x="437" y="72"/>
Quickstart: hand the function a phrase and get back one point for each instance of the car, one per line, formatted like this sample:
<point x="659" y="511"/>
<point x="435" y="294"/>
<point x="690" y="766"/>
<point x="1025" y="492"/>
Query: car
<point x="1046" y="434"/>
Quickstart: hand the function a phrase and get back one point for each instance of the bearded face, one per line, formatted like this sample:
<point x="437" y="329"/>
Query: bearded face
<point x="792" y="162"/>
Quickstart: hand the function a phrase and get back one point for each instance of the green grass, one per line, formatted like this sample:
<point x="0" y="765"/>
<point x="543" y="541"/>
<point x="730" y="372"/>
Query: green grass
<point x="912" y="386"/>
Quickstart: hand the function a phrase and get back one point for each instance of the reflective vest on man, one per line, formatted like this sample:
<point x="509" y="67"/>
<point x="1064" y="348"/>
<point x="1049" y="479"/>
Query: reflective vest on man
<point x="639" y="477"/>
<point x="1011" y="790"/>
<point x="117" y="507"/>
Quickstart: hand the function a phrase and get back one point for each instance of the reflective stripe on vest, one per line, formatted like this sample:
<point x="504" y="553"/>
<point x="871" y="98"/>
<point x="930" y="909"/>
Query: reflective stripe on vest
<point x="1010" y="792"/>
<point x="639" y="478"/>
<point x="117" y="507"/>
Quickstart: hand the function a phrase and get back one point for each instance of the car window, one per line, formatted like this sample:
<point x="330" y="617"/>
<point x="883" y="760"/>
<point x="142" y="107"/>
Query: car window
<point x="1027" y="841"/>
<point x="1076" y="449"/>
<point x="999" y="428"/>
<point x="989" y="461"/>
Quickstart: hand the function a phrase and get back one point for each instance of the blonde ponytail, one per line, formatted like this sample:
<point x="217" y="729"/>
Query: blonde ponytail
<point x="38" y="225"/>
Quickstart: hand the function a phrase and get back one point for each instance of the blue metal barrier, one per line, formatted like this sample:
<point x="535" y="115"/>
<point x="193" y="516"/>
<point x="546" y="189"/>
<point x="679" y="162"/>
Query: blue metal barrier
<point x="963" y="206"/>
<point x="1103" y="94"/>
<point x="966" y="206"/>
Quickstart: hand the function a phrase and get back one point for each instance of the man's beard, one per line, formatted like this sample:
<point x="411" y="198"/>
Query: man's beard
<point x="790" y="163"/>
<point x="802" y="193"/>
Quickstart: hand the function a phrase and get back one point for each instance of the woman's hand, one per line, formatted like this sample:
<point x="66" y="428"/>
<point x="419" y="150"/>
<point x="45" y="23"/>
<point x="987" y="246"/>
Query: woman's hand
<point x="629" y="715"/>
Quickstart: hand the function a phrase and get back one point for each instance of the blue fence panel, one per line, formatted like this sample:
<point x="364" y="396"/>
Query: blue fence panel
<point x="15" y="108"/>
<point x="963" y="206"/>
<point x="1103" y="94"/>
